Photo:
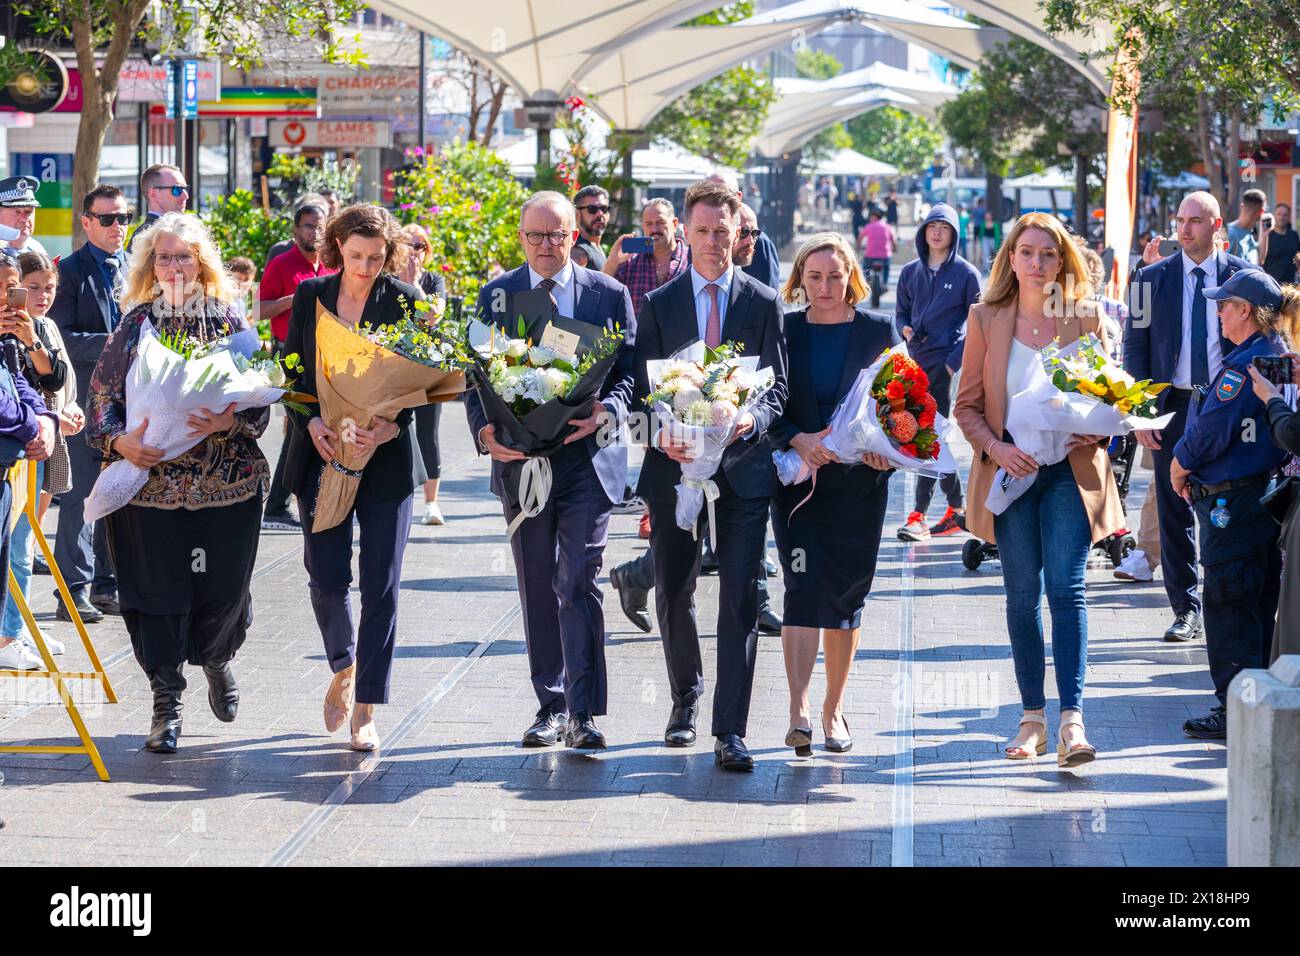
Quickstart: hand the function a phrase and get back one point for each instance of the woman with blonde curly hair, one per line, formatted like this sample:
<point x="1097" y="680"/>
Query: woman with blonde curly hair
<point x="184" y="547"/>
<point x="1039" y="291"/>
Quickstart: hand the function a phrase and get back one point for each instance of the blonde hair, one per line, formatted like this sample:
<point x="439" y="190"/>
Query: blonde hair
<point x="1075" y="282"/>
<point x="1284" y="320"/>
<point x="792" y="291"/>
<point x="142" y="285"/>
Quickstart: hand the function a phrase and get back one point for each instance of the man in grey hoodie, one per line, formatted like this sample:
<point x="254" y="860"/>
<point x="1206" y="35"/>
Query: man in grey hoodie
<point x="934" y="295"/>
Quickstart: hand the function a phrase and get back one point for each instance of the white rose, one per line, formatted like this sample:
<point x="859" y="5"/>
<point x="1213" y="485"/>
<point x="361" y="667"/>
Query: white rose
<point x="539" y="355"/>
<point x="276" y="376"/>
<point x="516" y="348"/>
<point x="685" y="398"/>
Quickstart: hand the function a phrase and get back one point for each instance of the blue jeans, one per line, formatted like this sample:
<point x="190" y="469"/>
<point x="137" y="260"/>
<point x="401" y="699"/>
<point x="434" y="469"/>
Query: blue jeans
<point x="1043" y="539"/>
<point x="22" y="546"/>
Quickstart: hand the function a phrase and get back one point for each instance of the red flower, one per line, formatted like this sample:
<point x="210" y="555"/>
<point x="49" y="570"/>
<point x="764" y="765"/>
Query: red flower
<point x="929" y="403"/>
<point x="909" y="450"/>
<point x="920" y="377"/>
<point x="446" y="267"/>
<point x="917" y="391"/>
<point x="902" y="426"/>
<point x="894" y="389"/>
<point x="925" y="419"/>
<point x="934" y="449"/>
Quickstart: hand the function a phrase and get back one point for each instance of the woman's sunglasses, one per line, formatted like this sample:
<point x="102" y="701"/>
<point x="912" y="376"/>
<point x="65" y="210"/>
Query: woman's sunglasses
<point x="107" y="219"/>
<point x="420" y="246"/>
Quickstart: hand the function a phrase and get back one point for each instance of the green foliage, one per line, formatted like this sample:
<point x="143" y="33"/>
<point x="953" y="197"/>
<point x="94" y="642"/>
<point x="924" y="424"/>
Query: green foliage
<point x="297" y="175"/>
<point x="241" y="227"/>
<point x="897" y="137"/>
<point x="720" y="118"/>
<point x="817" y="64"/>
<point x="466" y="198"/>
<point x="1019" y="106"/>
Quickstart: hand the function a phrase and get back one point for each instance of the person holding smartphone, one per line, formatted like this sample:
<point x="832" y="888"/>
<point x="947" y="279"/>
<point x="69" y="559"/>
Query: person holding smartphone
<point x="1222" y="467"/>
<point x="644" y="263"/>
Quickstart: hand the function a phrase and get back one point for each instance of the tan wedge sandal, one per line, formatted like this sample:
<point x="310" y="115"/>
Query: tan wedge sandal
<point x="1079" y="754"/>
<point x="1035" y="743"/>
<point x="338" y="699"/>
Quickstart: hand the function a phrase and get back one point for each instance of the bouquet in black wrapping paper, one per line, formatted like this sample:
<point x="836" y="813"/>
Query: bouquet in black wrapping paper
<point x="532" y="392"/>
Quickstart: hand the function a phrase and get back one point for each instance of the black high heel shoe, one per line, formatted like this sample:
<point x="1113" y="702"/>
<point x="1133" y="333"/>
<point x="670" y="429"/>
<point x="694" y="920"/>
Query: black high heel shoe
<point x="800" y="738"/>
<point x="839" y="745"/>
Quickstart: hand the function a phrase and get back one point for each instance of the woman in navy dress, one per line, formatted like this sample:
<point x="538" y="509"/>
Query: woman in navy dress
<point x="828" y="545"/>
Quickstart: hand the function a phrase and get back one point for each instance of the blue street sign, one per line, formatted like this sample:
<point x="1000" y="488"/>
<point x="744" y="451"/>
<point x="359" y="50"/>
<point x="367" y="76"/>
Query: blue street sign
<point x="191" y="89"/>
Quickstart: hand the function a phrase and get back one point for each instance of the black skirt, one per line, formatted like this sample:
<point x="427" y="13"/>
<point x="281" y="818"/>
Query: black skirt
<point x="183" y="579"/>
<point x="828" y="551"/>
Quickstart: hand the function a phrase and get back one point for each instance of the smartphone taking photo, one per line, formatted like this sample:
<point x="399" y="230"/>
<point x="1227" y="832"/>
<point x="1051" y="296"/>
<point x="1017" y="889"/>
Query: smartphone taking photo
<point x="1276" y="369"/>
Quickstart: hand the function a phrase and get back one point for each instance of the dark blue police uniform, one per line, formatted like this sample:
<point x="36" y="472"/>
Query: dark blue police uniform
<point x="1230" y="454"/>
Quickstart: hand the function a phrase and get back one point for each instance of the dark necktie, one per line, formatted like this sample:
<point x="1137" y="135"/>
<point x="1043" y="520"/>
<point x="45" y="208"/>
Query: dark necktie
<point x="548" y="285"/>
<point x="114" y="267"/>
<point x="1200" y="350"/>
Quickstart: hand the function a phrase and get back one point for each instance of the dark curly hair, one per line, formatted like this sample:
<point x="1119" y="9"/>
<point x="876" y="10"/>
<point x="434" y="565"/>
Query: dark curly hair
<point x="373" y="222"/>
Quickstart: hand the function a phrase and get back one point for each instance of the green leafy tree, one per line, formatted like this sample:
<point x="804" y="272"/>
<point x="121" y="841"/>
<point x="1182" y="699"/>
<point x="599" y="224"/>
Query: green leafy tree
<point x="466" y="198"/>
<point x="1224" y="66"/>
<point x="820" y="65"/>
<point x="720" y="118"/>
<point x="241" y="227"/>
<point x="244" y="32"/>
<point x="897" y="137"/>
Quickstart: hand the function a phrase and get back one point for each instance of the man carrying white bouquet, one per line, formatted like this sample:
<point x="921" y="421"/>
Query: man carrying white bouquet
<point x="713" y="302"/>
<point x="558" y="552"/>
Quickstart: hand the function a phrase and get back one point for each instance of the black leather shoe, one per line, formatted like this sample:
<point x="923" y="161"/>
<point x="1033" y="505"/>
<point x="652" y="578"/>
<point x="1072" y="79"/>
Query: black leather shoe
<point x="768" y="622"/>
<point x="89" y="613"/>
<point x="107" y="604"/>
<point x="1187" y="626"/>
<point x="165" y="732"/>
<point x="223" y="693"/>
<point x="1213" y="726"/>
<point x="581" y="734"/>
<point x="681" y="728"/>
<point x="634" y="601"/>
<point x="708" y="560"/>
<point x="39" y="566"/>
<point x="545" y="731"/>
<point x="730" y="753"/>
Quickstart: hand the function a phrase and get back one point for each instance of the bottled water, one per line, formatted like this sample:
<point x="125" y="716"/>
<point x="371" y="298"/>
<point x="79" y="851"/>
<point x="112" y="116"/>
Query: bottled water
<point x="1219" y="516"/>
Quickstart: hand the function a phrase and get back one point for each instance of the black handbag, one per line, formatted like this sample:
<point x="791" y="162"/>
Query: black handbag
<point x="1277" y="500"/>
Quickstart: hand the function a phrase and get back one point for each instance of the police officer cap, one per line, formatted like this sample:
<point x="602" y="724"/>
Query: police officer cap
<point x="18" y="191"/>
<point x="1254" y="285"/>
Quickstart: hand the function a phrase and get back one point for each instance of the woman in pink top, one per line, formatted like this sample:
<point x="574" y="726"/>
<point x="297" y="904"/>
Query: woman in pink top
<point x="877" y="250"/>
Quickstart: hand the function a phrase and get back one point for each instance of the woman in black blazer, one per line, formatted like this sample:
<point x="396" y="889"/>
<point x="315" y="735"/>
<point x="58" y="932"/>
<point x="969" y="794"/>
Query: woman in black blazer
<point x="828" y="545"/>
<point x="366" y="245"/>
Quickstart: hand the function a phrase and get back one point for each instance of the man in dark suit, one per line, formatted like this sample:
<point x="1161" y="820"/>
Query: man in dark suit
<point x="86" y="310"/>
<point x="558" y="552"/>
<point x="714" y="302"/>
<point x="1173" y="336"/>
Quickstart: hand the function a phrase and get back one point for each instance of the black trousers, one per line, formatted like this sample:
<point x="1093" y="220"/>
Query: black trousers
<point x="940" y="387"/>
<point x="558" y="556"/>
<point x="385" y="525"/>
<point x="81" y="549"/>
<point x="741" y="533"/>
<point x="277" y="499"/>
<point x="1177" y="524"/>
<point x="424" y="432"/>
<point x="1243" y="579"/>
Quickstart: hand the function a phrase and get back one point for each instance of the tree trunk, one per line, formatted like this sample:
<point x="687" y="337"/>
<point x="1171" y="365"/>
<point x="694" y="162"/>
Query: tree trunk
<point x="1205" y="144"/>
<point x="99" y="86"/>
<point x="498" y="88"/>
<point x="1233" y="165"/>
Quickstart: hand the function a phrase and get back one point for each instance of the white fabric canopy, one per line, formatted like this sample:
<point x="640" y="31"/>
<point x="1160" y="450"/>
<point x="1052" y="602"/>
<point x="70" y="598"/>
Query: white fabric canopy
<point x="1025" y="19"/>
<point x="643" y="77"/>
<point x="793" y="132"/>
<point x="1052" y="179"/>
<point x="537" y="45"/>
<point x="849" y="162"/>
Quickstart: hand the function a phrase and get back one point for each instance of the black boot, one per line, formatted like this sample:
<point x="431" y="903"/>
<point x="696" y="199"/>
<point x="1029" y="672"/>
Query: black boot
<point x="167" y="682"/>
<point x="223" y="692"/>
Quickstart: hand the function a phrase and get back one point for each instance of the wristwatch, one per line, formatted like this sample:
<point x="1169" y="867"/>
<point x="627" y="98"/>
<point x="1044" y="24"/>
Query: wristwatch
<point x="36" y="346"/>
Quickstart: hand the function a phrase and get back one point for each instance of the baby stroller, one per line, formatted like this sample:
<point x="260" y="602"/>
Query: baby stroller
<point x="1122" y="452"/>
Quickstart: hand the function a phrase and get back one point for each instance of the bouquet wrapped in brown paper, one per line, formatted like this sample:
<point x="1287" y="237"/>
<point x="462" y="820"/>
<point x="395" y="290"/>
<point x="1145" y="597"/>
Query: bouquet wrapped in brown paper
<point x="358" y="380"/>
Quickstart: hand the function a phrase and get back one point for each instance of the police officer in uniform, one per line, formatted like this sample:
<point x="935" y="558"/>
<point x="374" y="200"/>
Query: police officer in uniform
<point x="1223" y="465"/>
<point x="18" y="205"/>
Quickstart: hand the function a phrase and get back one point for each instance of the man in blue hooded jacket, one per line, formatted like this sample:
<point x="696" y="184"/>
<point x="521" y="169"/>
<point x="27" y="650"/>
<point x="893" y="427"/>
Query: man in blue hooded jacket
<point x="934" y="295"/>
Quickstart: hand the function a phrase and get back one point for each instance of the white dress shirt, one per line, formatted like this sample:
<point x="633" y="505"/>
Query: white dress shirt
<point x="565" y="291"/>
<point x="1183" y="367"/>
<point x="702" y="301"/>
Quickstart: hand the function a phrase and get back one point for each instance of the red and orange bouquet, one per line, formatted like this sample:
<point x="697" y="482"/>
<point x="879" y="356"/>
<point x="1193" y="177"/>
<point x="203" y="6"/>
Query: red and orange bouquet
<point x="905" y="407"/>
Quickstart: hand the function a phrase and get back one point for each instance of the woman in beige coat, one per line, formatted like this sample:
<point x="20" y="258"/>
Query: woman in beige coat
<point x="1038" y="292"/>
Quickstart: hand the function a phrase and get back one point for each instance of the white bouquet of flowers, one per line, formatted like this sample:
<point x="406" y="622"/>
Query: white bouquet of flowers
<point x="698" y="395"/>
<point x="171" y="378"/>
<point x="1075" y="390"/>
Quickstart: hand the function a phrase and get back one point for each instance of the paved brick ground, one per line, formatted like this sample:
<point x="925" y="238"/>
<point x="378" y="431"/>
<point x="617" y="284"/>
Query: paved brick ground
<point x="924" y="785"/>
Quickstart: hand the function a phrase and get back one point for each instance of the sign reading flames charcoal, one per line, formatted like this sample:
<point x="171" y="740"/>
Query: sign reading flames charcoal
<point x="358" y="134"/>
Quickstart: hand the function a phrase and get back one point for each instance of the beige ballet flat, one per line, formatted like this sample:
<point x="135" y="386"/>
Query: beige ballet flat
<point x="365" y="737"/>
<point x="338" y="699"/>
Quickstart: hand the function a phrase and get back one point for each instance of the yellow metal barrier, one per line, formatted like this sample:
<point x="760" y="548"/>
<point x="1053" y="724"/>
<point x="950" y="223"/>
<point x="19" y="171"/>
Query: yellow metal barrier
<point x="27" y="499"/>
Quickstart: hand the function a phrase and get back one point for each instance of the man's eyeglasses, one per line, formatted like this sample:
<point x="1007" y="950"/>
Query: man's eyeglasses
<point x="181" y="259"/>
<point x="107" y="219"/>
<point x="746" y="232"/>
<point x="556" y="238"/>
<point x="176" y="191"/>
<point x="593" y="208"/>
